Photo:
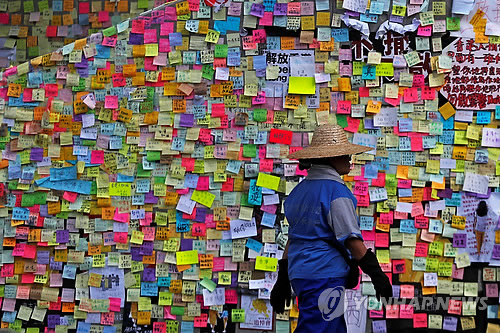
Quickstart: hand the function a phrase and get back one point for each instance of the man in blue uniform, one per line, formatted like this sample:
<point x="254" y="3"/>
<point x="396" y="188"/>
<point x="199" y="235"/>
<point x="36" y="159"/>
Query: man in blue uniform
<point x="321" y="212"/>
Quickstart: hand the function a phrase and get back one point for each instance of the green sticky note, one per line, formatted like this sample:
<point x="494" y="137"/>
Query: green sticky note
<point x="249" y="150"/>
<point x="177" y="310"/>
<point x="209" y="284"/>
<point x="142" y="4"/>
<point x="301" y="85"/>
<point x="153" y="156"/>
<point x="260" y="115"/>
<point x="208" y="71"/>
<point x="244" y="200"/>
<point x="40" y="198"/>
<point x="28" y="6"/>
<point x="453" y="23"/>
<point x="27" y="200"/>
<point x="238" y="315"/>
<point x="109" y="31"/>
<point x="220" y="51"/>
<point x="342" y="120"/>
<point x="43" y="5"/>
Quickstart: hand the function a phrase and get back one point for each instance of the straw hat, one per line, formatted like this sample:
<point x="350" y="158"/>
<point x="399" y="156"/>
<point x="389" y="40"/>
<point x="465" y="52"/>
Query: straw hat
<point x="329" y="141"/>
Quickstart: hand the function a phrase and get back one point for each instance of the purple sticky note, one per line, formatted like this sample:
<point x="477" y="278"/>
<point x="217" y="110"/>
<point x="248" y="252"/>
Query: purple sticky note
<point x="201" y="214"/>
<point x="148" y="275"/>
<point x="136" y="254"/>
<point x="257" y="10"/>
<point x="55" y="265"/>
<point x="42" y="257"/>
<point x="53" y="320"/>
<point x="379" y="326"/>
<point x="36" y="154"/>
<point x="62" y="236"/>
<point x="135" y="39"/>
<point x="496" y="252"/>
<point x="459" y="240"/>
<point x="186" y="244"/>
<point x="450" y="323"/>
<point x="446" y="193"/>
<point x="396" y="19"/>
<point x="186" y="120"/>
<point x="280" y="9"/>
<point x="146" y="248"/>
<point x="234" y="280"/>
<point x="150" y="198"/>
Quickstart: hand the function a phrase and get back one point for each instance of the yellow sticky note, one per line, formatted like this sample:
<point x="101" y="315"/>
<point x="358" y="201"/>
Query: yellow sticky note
<point x="120" y="189"/>
<point x="268" y="181"/>
<point x="203" y="197"/>
<point x="301" y="85"/>
<point x="447" y="110"/>
<point x="266" y="264"/>
<point x="187" y="257"/>
<point x="383" y="256"/>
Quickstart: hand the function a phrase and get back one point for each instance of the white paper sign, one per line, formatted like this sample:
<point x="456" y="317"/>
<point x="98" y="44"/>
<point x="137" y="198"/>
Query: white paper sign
<point x="476" y="183"/>
<point x="242" y="228"/>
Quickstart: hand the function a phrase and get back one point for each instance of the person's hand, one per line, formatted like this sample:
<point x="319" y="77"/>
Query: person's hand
<point x="369" y="264"/>
<point x="282" y="292"/>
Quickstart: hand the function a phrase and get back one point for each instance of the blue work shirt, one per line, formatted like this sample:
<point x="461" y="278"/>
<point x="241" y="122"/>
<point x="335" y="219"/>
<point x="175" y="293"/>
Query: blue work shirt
<point x="320" y="209"/>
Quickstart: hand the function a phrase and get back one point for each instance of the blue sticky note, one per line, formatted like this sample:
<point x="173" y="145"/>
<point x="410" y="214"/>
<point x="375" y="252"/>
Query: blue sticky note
<point x="254" y="245"/>
<point x="103" y="52"/>
<point x="220" y="26"/>
<point x="254" y="193"/>
<point x="259" y="62"/>
<point x="175" y="39"/>
<point x="149" y="289"/>
<point x="340" y="35"/>
<point x="497" y="111"/>
<point x="83" y="327"/>
<point x="268" y="220"/>
<point x="371" y="171"/>
<point x="164" y="281"/>
<point x="483" y="117"/>
<point x="232" y="23"/>
<point x="20" y="214"/>
<point x="405" y="192"/>
<point x="492" y="311"/>
<point x="66" y="173"/>
<point x="368" y="72"/>
<point x="407" y="226"/>
<point x="366" y="222"/>
<point x="187" y="327"/>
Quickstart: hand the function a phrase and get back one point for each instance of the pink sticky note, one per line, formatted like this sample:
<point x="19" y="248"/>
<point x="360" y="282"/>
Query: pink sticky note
<point x="97" y="157"/>
<point x="424" y="31"/>
<point x="70" y="196"/>
<point x="114" y="304"/>
<point x="121" y="217"/>
<point x="111" y="102"/>
<point x="344" y="107"/>
<point x="103" y="16"/>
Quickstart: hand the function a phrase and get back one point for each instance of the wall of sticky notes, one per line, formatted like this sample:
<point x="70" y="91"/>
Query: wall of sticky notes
<point x="144" y="162"/>
<point x="31" y="28"/>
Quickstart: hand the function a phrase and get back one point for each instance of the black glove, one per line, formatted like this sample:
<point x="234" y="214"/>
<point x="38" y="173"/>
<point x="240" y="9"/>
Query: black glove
<point x="369" y="264"/>
<point x="282" y="292"/>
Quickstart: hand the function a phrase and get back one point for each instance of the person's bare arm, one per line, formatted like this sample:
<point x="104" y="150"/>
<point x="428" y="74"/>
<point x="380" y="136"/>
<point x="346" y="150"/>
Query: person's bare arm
<point x="356" y="246"/>
<point x="285" y="254"/>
